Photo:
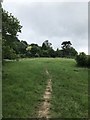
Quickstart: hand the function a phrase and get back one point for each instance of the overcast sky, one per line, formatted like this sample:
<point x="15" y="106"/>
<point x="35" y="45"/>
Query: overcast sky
<point x="55" y="21"/>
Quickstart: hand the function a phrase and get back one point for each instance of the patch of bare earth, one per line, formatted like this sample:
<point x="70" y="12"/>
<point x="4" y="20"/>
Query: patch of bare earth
<point x="45" y="105"/>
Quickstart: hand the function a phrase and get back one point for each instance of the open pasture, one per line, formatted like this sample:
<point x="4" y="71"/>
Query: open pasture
<point x="24" y="83"/>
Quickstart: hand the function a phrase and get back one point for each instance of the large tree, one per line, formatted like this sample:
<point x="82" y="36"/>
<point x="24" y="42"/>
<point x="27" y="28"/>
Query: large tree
<point x="33" y="50"/>
<point x="46" y="49"/>
<point x="68" y="51"/>
<point x="46" y="45"/>
<point x="10" y="25"/>
<point x="66" y="44"/>
<point x="10" y="28"/>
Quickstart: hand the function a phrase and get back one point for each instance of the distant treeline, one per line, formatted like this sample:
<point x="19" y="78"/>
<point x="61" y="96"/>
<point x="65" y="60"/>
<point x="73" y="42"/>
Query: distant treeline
<point x="13" y="48"/>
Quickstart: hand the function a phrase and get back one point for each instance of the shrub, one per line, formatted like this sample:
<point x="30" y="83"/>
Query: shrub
<point x="82" y="59"/>
<point x="88" y="64"/>
<point x="8" y="53"/>
<point x="37" y="55"/>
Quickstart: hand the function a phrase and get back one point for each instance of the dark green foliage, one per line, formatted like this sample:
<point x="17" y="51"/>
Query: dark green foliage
<point x="66" y="44"/>
<point x="8" y="53"/>
<point x="46" y="45"/>
<point x="10" y="27"/>
<point x="73" y="52"/>
<point x="24" y="42"/>
<point x="88" y="61"/>
<point x="45" y="53"/>
<point x="10" y="24"/>
<point x="83" y="60"/>
<point x="59" y="53"/>
<point x="34" y="50"/>
<point x="67" y="50"/>
<point x="37" y="55"/>
<point x="51" y="53"/>
<point x="47" y="50"/>
<point x="28" y="54"/>
<point x="19" y="47"/>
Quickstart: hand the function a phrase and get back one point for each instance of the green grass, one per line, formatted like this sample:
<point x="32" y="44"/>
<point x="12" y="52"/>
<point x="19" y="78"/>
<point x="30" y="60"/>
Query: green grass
<point x="24" y="84"/>
<point x="70" y="89"/>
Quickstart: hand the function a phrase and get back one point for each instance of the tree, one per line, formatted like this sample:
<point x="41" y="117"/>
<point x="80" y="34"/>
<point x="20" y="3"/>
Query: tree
<point x="46" y="45"/>
<point x="45" y="53"/>
<point x="24" y="42"/>
<point x="10" y="27"/>
<point x="34" y="50"/>
<point x="46" y="49"/>
<point x="51" y="53"/>
<point x="58" y="53"/>
<point x="65" y="47"/>
<point x="19" y="47"/>
<point x="8" y="53"/>
<point x="68" y="51"/>
<point x="88" y="64"/>
<point x="73" y="52"/>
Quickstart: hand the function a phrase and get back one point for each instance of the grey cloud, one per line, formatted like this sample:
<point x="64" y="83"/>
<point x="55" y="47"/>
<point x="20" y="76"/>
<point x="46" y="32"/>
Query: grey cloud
<point x="56" y="20"/>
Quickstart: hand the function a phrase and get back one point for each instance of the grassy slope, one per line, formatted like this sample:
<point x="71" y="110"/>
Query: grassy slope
<point x="70" y="89"/>
<point x="24" y="84"/>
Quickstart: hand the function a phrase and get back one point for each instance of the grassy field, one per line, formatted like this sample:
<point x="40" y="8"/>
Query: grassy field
<point x="24" y="84"/>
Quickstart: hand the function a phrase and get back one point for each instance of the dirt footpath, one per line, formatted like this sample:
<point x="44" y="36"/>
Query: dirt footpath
<point x="45" y="105"/>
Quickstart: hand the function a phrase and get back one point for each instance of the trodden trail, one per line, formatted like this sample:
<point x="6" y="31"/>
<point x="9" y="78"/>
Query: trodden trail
<point x="44" y="110"/>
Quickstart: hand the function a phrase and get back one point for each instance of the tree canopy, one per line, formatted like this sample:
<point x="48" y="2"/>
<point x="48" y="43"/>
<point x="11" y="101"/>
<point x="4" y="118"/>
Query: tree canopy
<point x="10" y="27"/>
<point x="68" y="51"/>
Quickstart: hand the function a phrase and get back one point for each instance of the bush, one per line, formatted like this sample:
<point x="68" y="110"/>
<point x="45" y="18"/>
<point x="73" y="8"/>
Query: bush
<point x="82" y="60"/>
<point x="37" y="55"/>
<point x="88" y="64"/>
<point x="8" y="53"/>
